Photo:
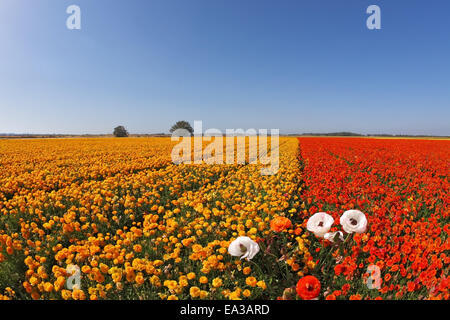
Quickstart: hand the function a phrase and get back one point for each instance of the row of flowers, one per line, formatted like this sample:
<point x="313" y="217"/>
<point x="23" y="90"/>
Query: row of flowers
<point x="145" y="230"/>
<point x="402" y="186"/>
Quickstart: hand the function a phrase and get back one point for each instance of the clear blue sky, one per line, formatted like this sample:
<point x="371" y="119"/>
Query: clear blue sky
<point x="300" y="66"/>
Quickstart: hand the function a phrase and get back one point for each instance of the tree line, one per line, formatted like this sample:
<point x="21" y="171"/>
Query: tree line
<point x="120" y="131"/>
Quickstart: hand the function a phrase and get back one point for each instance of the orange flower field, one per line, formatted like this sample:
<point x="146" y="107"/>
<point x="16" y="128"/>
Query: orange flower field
<point x="114" y="218"/>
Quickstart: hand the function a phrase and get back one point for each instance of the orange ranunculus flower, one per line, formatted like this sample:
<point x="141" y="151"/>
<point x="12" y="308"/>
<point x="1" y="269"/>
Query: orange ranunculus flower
<point x="308" y="287"/>
<point x="280" y="223"/>
<point x="251" y="281"/>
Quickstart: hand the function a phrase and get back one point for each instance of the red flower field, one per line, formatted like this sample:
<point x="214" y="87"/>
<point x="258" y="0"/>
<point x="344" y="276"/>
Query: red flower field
<point x="402" y="187"/>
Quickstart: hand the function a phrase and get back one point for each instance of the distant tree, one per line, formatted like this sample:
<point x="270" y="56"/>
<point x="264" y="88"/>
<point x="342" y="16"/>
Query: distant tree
<point x="182" y="125"/>
<point x="120" y="131"/>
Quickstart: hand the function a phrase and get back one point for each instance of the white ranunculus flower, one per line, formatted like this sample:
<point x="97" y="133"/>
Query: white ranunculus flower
<point x="330" y="236"/>
<point x="354" y="221"/>
<point x="319" y="223"/>
<point x="243" y="247"/>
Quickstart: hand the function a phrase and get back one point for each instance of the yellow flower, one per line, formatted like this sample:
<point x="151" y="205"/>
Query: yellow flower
<point x="78" y="294"/>
<point x="235" y="295"/>
<point x="251" y="281"/>
<point x="191" y="275"/>
<point x="157" y="263"/>
<point x="171" y="284"/>
<point x="66" y="294"/>
<point x="104" y="268"/>
<point x="183" y="282"/>
<point x="311" y="264"/>
<point x="48" y="287"/>
<point x="139" y="279"/>
<point x="261" y="284"/>
<point x="194" y="292"/>
<point x="85" y="269"/>
<point x="33" y="281"/>
<point x="217" y="282"/>
<point x="162" y="296"/>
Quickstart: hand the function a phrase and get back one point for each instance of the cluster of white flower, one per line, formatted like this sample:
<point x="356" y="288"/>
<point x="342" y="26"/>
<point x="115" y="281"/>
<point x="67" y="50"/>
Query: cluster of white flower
<point x="319" y="223"/>
<point x="352" y="221"/>
<point x="243" y="247"/>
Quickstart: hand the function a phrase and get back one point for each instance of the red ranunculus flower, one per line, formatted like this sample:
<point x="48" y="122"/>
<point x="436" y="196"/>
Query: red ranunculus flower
<point x="308" y="287"/>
